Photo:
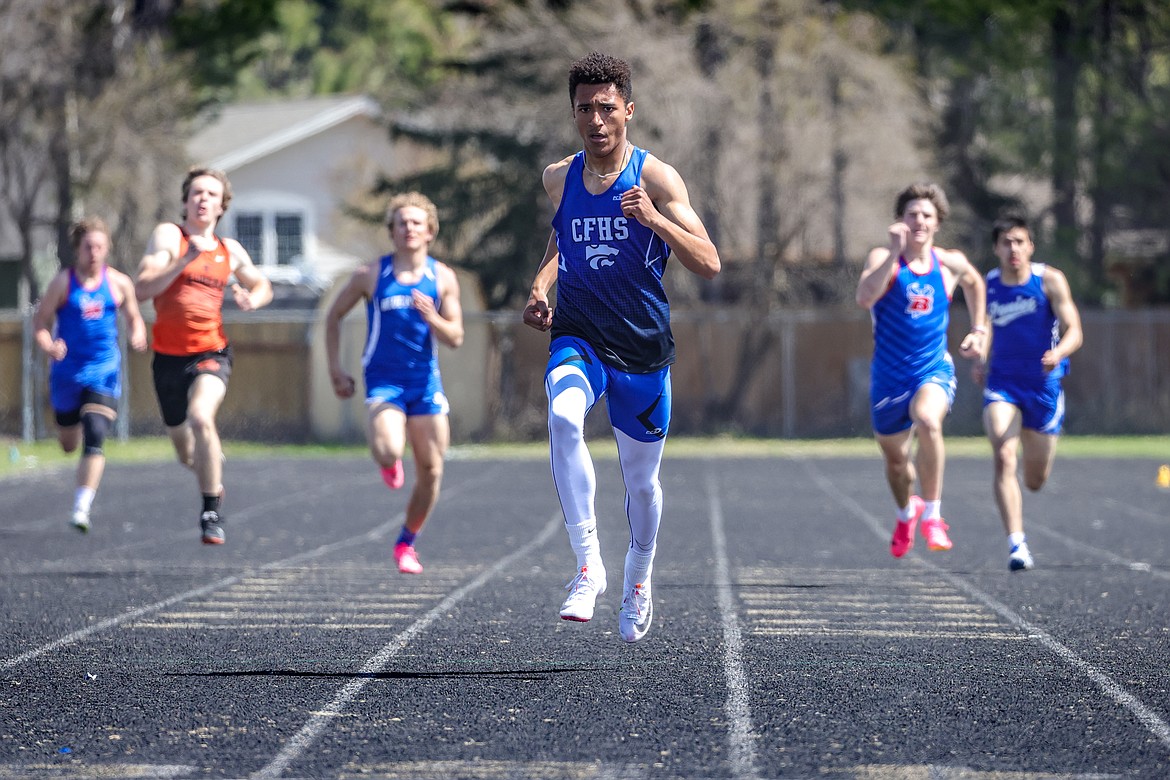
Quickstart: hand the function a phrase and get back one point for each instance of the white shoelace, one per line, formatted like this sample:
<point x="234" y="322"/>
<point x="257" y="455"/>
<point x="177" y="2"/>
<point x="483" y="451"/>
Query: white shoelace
<point x="634" y="604"/>
<point x="580" y="581"/>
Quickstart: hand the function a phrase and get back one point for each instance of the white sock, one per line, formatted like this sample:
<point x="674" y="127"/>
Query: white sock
<point x="639" y="566"/>
<point x="933" y="510"/>
<point x="583" y="539"/>
<point x="83" y="498"/>
<point x="1016" y="539"/>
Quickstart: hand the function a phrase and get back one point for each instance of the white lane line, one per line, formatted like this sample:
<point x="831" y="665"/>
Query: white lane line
<point x="102" y="625"/>
<point x="1121" y="507"/>
<point x="303" y="740"/>
<point x="1097" y="552"/>
<point x="741" y="736"/>
<point x="1149" y="718"/>
<point x="77" y="636"/>
<point x="376" y="533"/>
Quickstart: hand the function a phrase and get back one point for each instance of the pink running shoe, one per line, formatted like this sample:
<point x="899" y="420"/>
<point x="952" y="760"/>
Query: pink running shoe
<point x="407" y="559"/>
<point x="395" y="476"/>
<point x="935" y="532"/>
<point x="903" y="538"/>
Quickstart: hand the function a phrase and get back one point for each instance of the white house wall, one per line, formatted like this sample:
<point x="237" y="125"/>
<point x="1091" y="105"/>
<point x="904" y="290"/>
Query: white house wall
<point x="328" y="171"/>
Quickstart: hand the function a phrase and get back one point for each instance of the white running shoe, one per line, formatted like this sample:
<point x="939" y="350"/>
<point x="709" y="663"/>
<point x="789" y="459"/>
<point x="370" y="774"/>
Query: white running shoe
<point x="636" y="613"/>
<point x="80" y="520"/>
<point x="583" y="592"/>
<point x="1021" y="558"/>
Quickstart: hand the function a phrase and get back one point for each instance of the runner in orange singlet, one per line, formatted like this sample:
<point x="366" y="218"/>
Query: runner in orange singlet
<point x="186" y="269"/>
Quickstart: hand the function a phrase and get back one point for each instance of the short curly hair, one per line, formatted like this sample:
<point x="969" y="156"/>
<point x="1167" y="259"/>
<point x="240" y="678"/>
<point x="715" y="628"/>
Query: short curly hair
<point x="196" y="171"/>
<point x="923" y="191"/>
<point x="598" y="68"/>
<point x="418" y="200"/>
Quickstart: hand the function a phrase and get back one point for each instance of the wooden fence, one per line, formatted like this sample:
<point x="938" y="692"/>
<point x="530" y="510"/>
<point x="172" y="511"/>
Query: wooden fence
<point x="793" y="374"/>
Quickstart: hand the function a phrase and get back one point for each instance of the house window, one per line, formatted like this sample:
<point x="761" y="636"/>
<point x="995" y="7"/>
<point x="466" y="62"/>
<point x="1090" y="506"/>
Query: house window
<point x="250" y="233"/>
<point x="289" y="238"/>
<point x="271" y="237"/>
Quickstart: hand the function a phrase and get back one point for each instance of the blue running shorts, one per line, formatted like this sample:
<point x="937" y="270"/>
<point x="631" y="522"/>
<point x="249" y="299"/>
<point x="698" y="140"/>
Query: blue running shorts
<point x="1041" y="404"/>
<point x="66" y="386"/>
<point x="639" y="404"/>
<point x="890" y="403"/>
<point x="417" y="400"/>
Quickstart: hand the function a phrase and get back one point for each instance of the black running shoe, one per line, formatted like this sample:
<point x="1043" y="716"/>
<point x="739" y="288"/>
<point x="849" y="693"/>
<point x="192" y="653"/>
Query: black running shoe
<point x="212" y="530"/>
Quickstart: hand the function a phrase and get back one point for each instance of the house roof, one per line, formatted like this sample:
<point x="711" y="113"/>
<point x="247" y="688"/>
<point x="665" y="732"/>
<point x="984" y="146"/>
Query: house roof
<point x="237" y="134"/>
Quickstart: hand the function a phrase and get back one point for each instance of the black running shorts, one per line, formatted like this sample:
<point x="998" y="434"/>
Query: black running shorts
<point x="174" y="375"/>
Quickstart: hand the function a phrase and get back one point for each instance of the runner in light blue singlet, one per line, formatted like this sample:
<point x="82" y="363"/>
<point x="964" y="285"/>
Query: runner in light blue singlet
<point x="401" y="359"/>
<point x="412" y="306"/>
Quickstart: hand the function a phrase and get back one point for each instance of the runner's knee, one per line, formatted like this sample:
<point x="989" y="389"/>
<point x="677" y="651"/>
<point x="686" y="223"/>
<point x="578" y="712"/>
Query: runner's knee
<point x="94" y="429"/>
<point x="564" y="427"/>
<point x="200" y="420"/>
<point x="1034" y="481"/>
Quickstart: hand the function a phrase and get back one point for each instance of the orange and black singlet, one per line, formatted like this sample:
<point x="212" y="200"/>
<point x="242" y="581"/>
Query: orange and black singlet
<point x="189" y="313"/>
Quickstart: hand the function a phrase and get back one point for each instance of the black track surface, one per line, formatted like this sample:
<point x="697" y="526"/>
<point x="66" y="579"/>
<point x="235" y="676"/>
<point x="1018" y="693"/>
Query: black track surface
<point x="786" y="640"/>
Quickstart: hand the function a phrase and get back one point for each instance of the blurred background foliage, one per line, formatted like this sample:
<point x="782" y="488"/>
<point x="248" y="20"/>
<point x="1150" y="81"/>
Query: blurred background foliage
<point x="793" y="122"/>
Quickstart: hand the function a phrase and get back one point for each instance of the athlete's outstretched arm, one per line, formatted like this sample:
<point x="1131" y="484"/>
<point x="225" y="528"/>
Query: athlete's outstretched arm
<point x="359" y="286"/>
<point x="1071" y="335"/>
<point x="46" y="315"/>
<point x="975" y="296"/>
<point x="537" y="313"/>
<point x="256" y="291"/>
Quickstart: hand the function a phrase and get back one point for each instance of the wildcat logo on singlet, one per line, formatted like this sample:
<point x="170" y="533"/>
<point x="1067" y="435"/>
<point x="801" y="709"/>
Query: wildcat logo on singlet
<point x="92" y="306"/>
<point x="600" y="256"/>
<point x="919" y="299"/>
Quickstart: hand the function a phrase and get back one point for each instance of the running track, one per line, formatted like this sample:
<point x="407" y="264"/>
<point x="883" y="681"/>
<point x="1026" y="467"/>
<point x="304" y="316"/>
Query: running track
<point x="787" y="642"/>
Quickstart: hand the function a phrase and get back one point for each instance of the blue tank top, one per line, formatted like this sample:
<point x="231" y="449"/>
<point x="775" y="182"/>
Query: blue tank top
<point x="400" y="346"/>
<point x="88" y="322"/>
<point x="910" y="325"/>
<point x="609" y="282"/>
<point x="1025" y="327"/>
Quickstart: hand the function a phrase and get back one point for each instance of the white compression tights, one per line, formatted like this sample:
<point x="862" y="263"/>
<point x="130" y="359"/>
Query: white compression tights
<point x="570" y="399"/>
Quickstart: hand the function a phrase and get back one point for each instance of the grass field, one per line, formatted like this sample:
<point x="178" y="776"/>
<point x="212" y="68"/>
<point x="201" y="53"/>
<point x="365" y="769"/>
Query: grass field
<point x="17" y="456"/>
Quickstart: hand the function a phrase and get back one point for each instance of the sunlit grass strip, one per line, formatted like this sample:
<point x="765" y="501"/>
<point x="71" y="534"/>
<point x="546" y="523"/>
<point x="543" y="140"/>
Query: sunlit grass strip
<point x="17" y="456"/>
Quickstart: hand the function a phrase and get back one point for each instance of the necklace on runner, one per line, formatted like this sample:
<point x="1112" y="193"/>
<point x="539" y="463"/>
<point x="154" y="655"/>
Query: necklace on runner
<point x="604" y="176"/>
